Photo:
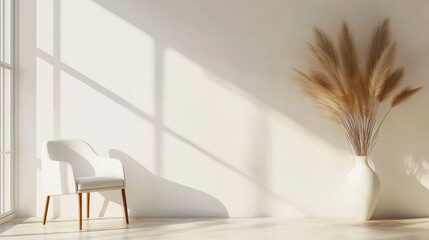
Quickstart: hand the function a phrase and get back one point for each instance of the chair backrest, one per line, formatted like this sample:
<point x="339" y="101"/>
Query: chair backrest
<point x="74" y="151"/>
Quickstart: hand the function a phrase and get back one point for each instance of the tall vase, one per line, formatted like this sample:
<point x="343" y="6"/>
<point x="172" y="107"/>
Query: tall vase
<point x="362" y="189"/>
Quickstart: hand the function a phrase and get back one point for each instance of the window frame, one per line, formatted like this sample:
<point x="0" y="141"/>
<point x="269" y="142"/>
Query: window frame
<point x="13" y="107"/>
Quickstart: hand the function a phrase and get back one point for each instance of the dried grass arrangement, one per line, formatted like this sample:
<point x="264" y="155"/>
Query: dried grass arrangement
<point x="349" y="95"/>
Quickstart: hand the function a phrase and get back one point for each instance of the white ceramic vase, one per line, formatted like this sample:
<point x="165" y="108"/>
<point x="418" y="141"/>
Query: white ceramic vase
<point x="362" y="189"/>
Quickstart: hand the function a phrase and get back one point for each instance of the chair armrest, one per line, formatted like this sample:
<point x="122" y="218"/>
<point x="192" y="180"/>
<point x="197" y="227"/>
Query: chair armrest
<point x="108" y="167"/>
<point x="58" y="177"/>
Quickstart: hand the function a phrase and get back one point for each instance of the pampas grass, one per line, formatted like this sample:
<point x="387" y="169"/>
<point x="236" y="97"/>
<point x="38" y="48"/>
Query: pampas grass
<point x="349" y="95"/>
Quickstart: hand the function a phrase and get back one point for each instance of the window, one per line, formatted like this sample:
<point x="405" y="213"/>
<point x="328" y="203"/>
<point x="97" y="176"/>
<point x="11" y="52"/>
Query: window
<point x="6" y="106"/>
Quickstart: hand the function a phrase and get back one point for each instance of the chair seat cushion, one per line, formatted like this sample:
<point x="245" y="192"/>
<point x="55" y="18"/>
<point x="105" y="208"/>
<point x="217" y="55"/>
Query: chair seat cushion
<point x="89" y="183"/>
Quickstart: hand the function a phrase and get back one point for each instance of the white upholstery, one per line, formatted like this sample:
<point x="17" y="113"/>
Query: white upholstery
<point x="72" y="166"/>
<point x="95" y="183"/>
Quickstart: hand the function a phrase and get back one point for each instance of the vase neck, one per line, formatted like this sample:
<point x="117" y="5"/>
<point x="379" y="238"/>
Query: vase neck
<point x="361" y="160"/>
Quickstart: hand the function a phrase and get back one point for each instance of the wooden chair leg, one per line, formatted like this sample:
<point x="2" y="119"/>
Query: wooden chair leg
<point x="124" y="201"/>
<point x="80" y="210"/>
<point x="87" y="204"/>
<point x="46" y="209"/>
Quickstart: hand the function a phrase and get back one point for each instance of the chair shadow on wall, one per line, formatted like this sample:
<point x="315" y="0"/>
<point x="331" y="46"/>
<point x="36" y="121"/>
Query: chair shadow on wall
<point x="158" y="197"/>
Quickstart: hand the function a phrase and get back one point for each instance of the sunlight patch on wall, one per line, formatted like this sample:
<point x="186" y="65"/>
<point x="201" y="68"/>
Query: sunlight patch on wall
<point x="418" y="169"/>
<point x="204" y="112"/>
<point x="108" y="50"/>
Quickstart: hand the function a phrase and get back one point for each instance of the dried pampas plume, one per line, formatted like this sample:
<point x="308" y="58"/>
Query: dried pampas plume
<point x="404" y="95"/>
<point x="349" y="95"/>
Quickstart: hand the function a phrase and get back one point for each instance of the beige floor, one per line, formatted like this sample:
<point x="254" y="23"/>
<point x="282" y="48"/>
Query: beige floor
<point x="189" y="229"/>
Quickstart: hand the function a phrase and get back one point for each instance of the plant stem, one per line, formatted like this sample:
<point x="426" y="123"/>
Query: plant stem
<point x="377" y="131"/>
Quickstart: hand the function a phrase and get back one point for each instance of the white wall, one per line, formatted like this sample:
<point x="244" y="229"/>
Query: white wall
<point x="196" y="98"/>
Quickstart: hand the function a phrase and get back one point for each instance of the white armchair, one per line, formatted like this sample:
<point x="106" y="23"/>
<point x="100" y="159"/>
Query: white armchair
<point x="72" y="167"/>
